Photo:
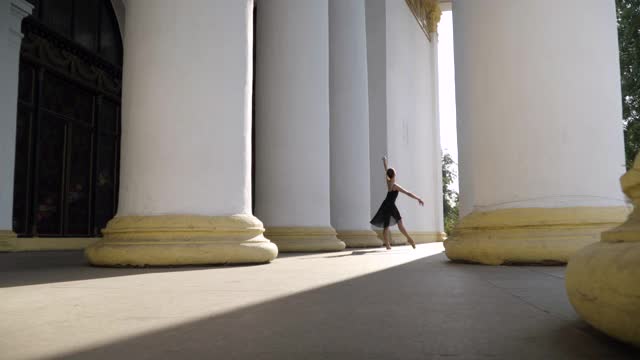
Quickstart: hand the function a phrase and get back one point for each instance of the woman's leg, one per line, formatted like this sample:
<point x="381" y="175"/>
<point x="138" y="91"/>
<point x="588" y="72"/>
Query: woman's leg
<point x="406" y="234"/>
<point x="386" y="236"/>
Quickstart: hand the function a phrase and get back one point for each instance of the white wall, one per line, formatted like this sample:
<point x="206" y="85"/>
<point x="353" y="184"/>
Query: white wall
<point x="409" y="121"/>
<point x="538" y="99"/>
<point x="11" y="14"/>
<point x="186" y="128"/>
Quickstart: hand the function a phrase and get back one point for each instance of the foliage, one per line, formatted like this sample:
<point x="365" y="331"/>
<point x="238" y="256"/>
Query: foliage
<point x="628" y="12"/>
<point x="449" y="196"/>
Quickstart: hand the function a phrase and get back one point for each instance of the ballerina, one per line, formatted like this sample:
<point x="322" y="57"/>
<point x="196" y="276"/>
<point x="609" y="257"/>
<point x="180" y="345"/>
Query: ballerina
<point x="388" y="214"/>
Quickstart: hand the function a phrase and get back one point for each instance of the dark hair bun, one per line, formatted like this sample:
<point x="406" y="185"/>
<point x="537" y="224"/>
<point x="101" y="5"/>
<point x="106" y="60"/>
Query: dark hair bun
<point x="391" y="173"/>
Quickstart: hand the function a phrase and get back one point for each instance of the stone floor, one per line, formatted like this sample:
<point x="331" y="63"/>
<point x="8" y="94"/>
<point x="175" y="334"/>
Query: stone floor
<point x="357" y="304"/>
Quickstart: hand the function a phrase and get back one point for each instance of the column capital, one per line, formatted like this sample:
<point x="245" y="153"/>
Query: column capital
<point x="21" y="7"/>
<point x="18" y="10"/>
<point x="427" y="13"/>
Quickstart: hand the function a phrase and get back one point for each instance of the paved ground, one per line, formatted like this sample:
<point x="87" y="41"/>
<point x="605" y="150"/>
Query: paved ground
<point x="363" y="304"/>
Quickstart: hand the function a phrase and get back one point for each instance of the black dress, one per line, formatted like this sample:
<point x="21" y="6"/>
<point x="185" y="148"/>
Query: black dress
<point x="388" y="213"/>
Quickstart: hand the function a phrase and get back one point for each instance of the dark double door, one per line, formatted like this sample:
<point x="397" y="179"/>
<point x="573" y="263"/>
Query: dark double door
<point x="68" y="135"/>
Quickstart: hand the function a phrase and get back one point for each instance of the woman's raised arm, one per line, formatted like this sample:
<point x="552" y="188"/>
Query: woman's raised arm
<point x="408" y="193"/>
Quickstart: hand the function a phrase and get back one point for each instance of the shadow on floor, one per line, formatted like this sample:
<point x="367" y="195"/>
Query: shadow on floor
<point x="357" y="253"/>
<point x="381" y="251"/>
<point x="418" y="310"/>
<point x="44" y="267"/>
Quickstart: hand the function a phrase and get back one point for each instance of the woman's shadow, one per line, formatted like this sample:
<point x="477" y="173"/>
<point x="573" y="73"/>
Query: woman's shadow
<point x="357" y="252"/>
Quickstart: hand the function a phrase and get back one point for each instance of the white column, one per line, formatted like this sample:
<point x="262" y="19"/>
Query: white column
<point x="185" y="186"/>
<point x="539" y="126"/>
<point x="292" y="124"/>
<point x="349" y="104"/>
<point x="414" y="93"/>
<point x="377" y="82"/>
<point x="11" y="14"/>
<point x="404" y="116"/>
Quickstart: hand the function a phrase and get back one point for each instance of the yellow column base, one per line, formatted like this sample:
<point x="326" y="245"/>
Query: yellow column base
<point x="603" y="285"/>
<point x="10" y="242"/>
<point x="423" y="237"/>
<point x="603" y="280"/>
<point x="7" y="240"/>
<point x="529" y="235"/>
<point x="420" y="237"/>
<point x="357" y="239"/>
<point x="182" y="240"/>
<point x="305" y="239"/>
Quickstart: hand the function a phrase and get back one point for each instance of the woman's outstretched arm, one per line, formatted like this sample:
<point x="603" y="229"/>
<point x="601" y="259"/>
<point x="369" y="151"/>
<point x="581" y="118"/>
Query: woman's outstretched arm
<point x="409" y="194"/>
<point x="384" y="162"/>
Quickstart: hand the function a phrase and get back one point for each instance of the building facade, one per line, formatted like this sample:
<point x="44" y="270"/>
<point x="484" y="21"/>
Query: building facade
<point x="161" y="132"/>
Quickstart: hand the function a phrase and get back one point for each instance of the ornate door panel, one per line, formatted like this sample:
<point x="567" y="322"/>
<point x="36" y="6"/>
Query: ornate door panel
<point x="67" y="149"/>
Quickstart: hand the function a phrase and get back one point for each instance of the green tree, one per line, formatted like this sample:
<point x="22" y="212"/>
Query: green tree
<point x="628" y="12"/>
<point x="449" y="196"/>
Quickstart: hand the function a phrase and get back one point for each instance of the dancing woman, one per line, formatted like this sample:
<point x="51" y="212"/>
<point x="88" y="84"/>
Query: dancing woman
<point x="388" y="214"/>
